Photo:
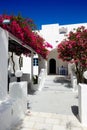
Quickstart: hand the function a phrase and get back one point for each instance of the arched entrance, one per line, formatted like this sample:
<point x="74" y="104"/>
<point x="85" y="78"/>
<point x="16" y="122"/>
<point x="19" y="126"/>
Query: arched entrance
<point x="52" y="66"/>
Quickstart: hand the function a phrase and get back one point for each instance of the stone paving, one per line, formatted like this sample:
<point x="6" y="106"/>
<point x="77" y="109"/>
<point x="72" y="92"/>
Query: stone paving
<point x="50" y="108"/>
<point x="48" y="121"/>
<point x="56" y="96"/>
<point x="54" y="102"/>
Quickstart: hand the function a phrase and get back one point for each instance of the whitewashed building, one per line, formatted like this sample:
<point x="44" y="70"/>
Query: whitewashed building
<point x="13" y="96"/>
<point x="54" y="34"/>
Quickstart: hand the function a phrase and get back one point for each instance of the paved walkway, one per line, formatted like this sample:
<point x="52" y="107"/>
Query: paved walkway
<point x="55" y="107"/>
<point x="56" y="96"/>
<point x="49" y="121"/>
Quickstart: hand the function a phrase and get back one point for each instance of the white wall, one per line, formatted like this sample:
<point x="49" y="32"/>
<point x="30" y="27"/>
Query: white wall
<point x="69" y="28"/>
<point x="51" y="32"/>
<point x="14" y="108"/>
<point x="26" y="65"/>
<point x="3" y="63"/>
<point x="42" y="64"/>
<point x="82" y="91"/>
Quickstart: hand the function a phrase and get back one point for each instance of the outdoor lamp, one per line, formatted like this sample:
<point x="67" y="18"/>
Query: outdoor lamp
<point x="6" y="21"/>
<point x="18" y="74"/>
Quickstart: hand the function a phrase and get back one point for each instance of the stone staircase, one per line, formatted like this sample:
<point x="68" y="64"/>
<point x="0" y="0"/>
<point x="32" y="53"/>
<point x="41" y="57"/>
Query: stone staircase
<point x="57" y="83"/>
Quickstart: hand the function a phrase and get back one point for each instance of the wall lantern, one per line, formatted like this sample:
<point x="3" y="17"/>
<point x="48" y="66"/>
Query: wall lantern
<point x="6" y="21"/>
<point x="18" y="75"/>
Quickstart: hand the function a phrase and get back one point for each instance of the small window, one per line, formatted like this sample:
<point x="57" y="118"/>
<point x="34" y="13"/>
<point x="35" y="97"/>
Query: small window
<point x="63" y="30"/>
<point x="35" y="62"/>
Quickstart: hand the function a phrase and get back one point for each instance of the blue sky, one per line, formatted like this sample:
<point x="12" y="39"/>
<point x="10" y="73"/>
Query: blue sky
<point x="47" y="11"/>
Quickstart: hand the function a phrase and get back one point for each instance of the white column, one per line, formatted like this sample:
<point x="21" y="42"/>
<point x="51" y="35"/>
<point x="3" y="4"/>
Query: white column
<point x="31" y="65"/>
<point x="82" y="89"/>
<point x="3" y="63"/>
<point x="42" y="63"/>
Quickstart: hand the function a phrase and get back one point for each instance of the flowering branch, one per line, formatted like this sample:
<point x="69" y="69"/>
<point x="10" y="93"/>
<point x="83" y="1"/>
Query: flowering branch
<point x="74" y="50"/>
<point x="22" y="29"/>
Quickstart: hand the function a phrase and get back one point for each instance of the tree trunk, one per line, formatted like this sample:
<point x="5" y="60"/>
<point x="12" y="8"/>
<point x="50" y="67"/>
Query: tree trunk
<point x="79" y="74"/>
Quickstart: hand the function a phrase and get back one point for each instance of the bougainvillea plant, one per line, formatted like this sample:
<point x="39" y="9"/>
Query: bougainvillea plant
<point x="74" y="50"/>
<point x="23" y="29"/>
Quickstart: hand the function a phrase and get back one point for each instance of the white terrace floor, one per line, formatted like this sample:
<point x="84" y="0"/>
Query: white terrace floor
<point x="52" y="108"/>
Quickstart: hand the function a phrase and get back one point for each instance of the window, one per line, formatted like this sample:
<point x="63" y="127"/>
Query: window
<point x="35" y="62"/>
<point x="63" y="30"/>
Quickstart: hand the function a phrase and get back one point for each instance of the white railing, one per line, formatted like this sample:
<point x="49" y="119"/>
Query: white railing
<point x="41" y="78"/>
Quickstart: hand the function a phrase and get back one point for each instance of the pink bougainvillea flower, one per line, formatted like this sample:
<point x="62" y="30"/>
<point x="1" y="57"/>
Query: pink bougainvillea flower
<point x="74" y="50"/>
<point x="23" y="30"/>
